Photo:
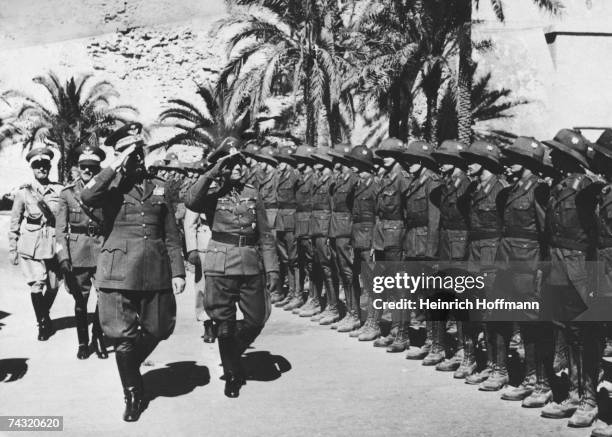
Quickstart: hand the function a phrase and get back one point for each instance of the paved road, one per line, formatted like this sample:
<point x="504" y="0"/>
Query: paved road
<point x="309" y="381"/>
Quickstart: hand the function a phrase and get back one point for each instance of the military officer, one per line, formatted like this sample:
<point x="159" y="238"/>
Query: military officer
<point x="571" y="224"/>
<point x="388" y="235"/>
<point x="240" y="251"/>
<point x="140" y="264"/>
<point x="340" y="228"/>
<point x="521" y="249"/>
<point x="250" y="151"/>
<point x="485" y="222"/>
<point x="450" y="198"/>
<point x="303" y="211"/>
<point x="286" y="243"/>
<point x="79" y="240"/>
<point x="32" y="236"/>
<point x="422" y="221"/>
<point x="363" y="214"/>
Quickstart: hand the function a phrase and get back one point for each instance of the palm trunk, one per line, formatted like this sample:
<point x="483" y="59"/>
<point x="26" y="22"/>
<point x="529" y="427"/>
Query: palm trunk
<point x="464" y="82"/>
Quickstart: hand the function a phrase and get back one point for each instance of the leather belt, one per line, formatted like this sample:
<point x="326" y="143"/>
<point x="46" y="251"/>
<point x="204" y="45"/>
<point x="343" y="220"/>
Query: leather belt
<point x="32" y="221"/>
<point x="235" y="239"/>
<point x="287" y="205"/>
<point x="520" y="233"/>
<point x="87" y="230"/>
<point x="484" y="234"/>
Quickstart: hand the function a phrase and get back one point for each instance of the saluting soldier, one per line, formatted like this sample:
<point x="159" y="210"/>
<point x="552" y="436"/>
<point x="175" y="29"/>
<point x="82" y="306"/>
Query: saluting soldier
<point x="422" y="220"/>
<point x="521" y="250"/>
<point x="571" y="224"/>
<point x="79" y="240"/>
<point x="140" y="264"/>
<point x="388" y="235"/>
<point x="32" y="236"/>
<point x="451" y="200"/>
<point x="340" y="228"/>
<point x="238" y="255"/>
<point x="324" y="272"/>
<point x="286" y="242"/>
<point x="363" y="214"/>
<point x="303" y="212"/>
<point x="485" y="232"/>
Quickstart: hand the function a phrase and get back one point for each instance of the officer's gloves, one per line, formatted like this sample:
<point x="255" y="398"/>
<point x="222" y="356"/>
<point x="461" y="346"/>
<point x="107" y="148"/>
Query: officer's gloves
<point x="193" y="258"/>
<point x="14" y="257"/>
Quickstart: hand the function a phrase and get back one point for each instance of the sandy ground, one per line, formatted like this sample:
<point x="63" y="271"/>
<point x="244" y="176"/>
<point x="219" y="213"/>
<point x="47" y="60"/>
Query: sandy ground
<point x="309" y="381"/>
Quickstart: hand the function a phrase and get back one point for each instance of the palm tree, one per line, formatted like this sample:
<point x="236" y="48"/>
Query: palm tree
<point x="78" y="110"/>
<point x="465" y="56"/>
<point x="201" y="124"/>
<point x="283" y="45"/>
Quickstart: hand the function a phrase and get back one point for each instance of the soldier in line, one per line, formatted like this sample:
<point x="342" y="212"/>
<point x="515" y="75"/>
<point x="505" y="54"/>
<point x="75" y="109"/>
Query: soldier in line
<point x="303" y="200"/>
<point x="233" y="266"/>
<point x="450" y="199"/>
<point x="286" y="242"/>
<point x="361" y="161"/>
<point x="485" y="224"/>
<point x="521" y="250"/>
<point x="324" y="274"/>
<point x="79" y="240"/>
<point x="571" y="226"/>
<point x="32" y="236"/>
<point x="140" y="264"/>
<point x="340" y="227"/>
<point x="422" y="219"/>
<point x="388" y="236"/>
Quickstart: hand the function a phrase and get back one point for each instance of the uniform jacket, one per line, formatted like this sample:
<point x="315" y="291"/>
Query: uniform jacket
<point x="364" y="212"/>
<point x="303" y="199"/>
<point x="485" y="214"/>
<point x="78" y="233"/>
<point x="268" y="188"/>
<point x="287" y="204"/>
<point x="237" y="210"/>
<point x="30" y="234"/>
<point x="421" y="217"/>
<point x="142" y="248"/>
<point x="390" y="228"/>
<point x="343" y="196"/>
<point x="323" y="185"/>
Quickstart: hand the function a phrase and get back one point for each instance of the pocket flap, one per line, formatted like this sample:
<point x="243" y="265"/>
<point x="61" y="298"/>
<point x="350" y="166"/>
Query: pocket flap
<point x="120" y="245"/>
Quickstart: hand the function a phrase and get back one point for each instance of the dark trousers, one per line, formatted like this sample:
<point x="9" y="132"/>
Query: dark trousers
<point x="324" y="271"/>
<point x="304" y="259"/>
<point x="79" y="283"/>
<point x="286" y="247"/>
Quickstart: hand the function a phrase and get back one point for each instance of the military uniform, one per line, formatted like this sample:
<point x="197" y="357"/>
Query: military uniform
<point x="197" y="236"/>
<point x="79" y="241"/>
<point x="241" y="249"/>
<point x="32" y="238"/>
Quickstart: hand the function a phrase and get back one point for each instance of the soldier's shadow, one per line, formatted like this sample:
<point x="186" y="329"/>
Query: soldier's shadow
<point x="69" y="322"/>
<point x="3" y="314"/>
<point x="13" y="369"/>
<point x="263" y="366"/>
<point x="175" y="379"/>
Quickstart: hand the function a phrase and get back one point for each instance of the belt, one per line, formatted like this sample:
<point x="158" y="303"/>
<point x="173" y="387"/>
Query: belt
<point x="484" y="234"/>
<point x="88" y="230"/>
<point x="521" y="233"/>
<point x="32" y="221"/>
<point x="566" y="243"/>
<point x="270" y="205"/>
<point x="287" y="205"/>
<point x="359" y="219"/>
<point x="235" y="239"/>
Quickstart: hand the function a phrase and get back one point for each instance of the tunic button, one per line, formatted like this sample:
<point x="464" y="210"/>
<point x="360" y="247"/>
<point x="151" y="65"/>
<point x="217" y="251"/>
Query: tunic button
<point x="142" y="213"/>
<point x="145" y="237"/>
<point x="144" y="225"/>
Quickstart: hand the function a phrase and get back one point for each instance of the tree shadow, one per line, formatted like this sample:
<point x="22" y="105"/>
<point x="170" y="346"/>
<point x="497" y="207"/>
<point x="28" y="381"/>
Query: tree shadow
<point x="175" y="379"/>
<point x="263" y="366"/>
<point x="3" y="314"/>
<point x="13" y="369"/>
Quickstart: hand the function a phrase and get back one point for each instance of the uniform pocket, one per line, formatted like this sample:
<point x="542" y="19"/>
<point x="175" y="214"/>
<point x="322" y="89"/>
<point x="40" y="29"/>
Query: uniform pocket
<point x="214" y="260"/>
<point x="458" y="245"/>
<point x="117" y="252"/>
<point x="285" y="221"/>
<point x="393" y="235"/>
<point x="75" y="215"/>
<point x="362" y="235"/>
<point x="341" y="224"/>
<point x="302" y="224"/>
<point x="320" y="223"/>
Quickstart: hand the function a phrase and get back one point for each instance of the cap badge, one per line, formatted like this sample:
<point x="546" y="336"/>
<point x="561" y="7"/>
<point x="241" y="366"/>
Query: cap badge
<point x="490" y="148"/>
<point x="459" y="147"/>
<point x="364" y="152"/>
<point x="575" y="140"/>
<point x="425" y="147"/>
<point x="534" y="145"/>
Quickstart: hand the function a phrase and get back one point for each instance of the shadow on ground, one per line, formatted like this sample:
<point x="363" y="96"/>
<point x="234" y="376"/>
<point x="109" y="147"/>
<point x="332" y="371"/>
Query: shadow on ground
<point x="13" y="369"/>
<point x="69" y="322"/>
<point x="263" y="366"/>
<point x="3" y="314"/>
<point x="175" y="379"/>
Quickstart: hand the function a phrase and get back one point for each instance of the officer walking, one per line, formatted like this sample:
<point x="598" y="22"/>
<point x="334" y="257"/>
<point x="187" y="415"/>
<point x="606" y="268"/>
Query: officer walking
<point x="240" y="251"/>
<point x="140" y="264"/>
<point x="32" y="236"/>
<point x="79" y="240"/>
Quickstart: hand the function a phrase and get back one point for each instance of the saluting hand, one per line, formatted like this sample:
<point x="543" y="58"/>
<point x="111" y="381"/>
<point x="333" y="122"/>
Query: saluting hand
<point x="178" y="284"/>
<point x="122" y="157"/>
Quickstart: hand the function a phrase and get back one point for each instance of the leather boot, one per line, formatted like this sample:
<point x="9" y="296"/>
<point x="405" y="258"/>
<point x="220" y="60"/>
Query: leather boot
<point x="80" y="317"/>
<point x="451" y="364"/>
<point x="539" y="397"/>
<point x="401" y="340"/>
<point x="587" y="358"/>
<point x="307" y="306"/>
<point x="607" y="352"/>
<point x="352" y="323"/>
<point x="314" y="295"/>
<point x="97" y="337"/>
<point x="468" y="364"/>
<point x="604" y="430"/>
<point x="230" y="359"/>
<point x="332" y="315"/>
<point x="370" y="331"/>
<point x="210" y="334"/>
<point x="437" y="353"/>
<point x="296" y="303"/>
<point x="388" y="339"/>
<point x="313" y="309"/>
<point x="133" y="387"/>
<point x="293" y="287"/>
<point x="561" y="410"/>
<point x="496" y="380"/>
<point x="478" y="378"/>
<point x="420" y="353"/>
<point x="38" y="303"/>
<point x="521" y="392"/>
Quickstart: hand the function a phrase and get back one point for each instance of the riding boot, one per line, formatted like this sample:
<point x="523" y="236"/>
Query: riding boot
<point x="210" y="334"/>
<point x="230" y="360"/>
<point x="468" y="363"/>
<point x="436" y="353"/>
<point x="401" y="341"/>
<point x="97" y="337"/>
<point x="38" y="304"/>
<point x="80" y="316"/>
<point x="145" y="344"/>
<point x="133" y="387"/>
